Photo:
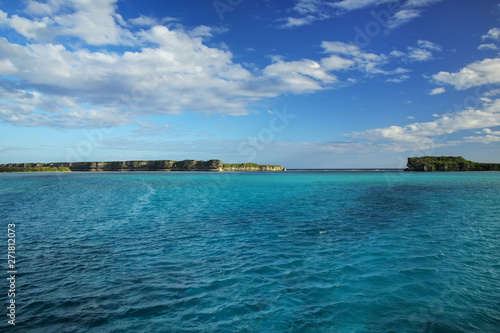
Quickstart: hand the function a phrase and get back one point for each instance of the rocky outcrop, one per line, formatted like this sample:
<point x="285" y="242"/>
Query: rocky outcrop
<point x="252" y="167"/>
<point x="264" y="168"/>
<point x="161" y="165"/>
<point x="448" y="163"/>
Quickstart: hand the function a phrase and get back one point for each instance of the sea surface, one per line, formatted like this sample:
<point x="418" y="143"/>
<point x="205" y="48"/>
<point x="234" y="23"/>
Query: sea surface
<point x="296" y="251"/>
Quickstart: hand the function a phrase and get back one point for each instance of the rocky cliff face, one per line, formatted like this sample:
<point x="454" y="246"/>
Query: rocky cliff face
<point x="261" y="168"/>
<point x="163" y="165"/>
<point x="448" y="163"/>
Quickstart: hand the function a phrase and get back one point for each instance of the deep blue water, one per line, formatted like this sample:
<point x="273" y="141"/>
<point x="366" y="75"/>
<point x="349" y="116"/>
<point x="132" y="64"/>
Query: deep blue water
<point x="254" y="252"/>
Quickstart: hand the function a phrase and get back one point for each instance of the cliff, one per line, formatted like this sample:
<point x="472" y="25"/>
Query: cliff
<point x="448" y="163"/>
<point x="161" y="165"/>
<point x="251" y="167"/>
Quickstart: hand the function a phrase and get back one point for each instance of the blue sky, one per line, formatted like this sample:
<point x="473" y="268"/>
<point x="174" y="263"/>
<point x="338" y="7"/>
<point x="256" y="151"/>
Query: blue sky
<point x="302" y="83"/>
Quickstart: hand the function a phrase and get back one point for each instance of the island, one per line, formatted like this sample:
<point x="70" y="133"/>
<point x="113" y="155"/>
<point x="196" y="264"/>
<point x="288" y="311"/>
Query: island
<point x="160" y="165"/>
<point x="448" y="163"/>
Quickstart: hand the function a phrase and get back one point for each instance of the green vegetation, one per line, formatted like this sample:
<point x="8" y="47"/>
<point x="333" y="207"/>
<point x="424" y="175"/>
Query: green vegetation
<point x="252" y="166"/>
<point x="247" y="165"/>
<point x="34" y="169"/>
<point x="448" y="163"/>
<point x="159" y="165"/>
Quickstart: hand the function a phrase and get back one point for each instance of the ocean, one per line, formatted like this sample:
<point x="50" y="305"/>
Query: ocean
<point x="299" y="251"/>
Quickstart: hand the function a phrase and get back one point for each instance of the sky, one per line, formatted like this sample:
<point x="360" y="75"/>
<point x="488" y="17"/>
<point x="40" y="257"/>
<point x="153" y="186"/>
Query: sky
<point x="300" y="83"/>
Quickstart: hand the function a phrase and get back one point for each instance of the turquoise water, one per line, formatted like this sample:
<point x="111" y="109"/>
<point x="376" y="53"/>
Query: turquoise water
<point x="254" y="252"/>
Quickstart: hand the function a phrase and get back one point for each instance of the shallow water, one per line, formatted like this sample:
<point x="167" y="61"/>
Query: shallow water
<point x="255" y="252"/>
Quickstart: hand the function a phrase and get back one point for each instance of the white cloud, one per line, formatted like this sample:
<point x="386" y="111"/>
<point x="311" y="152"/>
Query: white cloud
<point x="297" y="76"/>
<point x="487" y="47"/>
<point x="177" y="73"/>
<point x="335" y="62"/>
<point x="309" y="11"/>
<point x="420" y="3"/>
<point x="399" y="79"/>
<point x="369" y="63"/>
<point x="490" y="132"/>
<point x="493" y="92"/>
<point x="144" y="21"/>
<point x="292" y="22"/>
<point x="37" y="8"/>
<point x="305" y="7"/>
<point x="349" y="5"/>
<point x="423" y="135"/>
<point x="397" y="54"/>
<point x="408" y="11"/>
<point x="422" y="52"/>
<point x="169" y="71"/>
<point x="476" y="74"/>
<point x="340" y="48"/>
<point x="403" y="16"/>
<point x="488" y="136"/>
<point x="419" y="55"/>
<point x="93" y="21"/>
<point x="437" y="91"/>
<point x="33" y="109"/>
<point x="493" y="33"/>
<point x="425" y="44"/>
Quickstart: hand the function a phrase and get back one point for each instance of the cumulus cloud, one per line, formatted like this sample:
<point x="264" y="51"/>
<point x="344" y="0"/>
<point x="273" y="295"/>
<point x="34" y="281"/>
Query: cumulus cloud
<point x="335" y="62"/>
<point x="94" y="21"/>
<point x="493" y="33"/>
<point x="168" y="70"/>
<point x="349" y="56"/>
<point x="418" y="136"/>
<point x="437" y="91"/>
<point x="297" y="76"/>
<point x="179" y="74"/>
<point x="476" y="74"/>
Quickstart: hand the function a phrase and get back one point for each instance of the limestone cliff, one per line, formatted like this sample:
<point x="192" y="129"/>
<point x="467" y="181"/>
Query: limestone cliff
<point x="251" y="167"/>
<point x="160" y="165"/>
<point x="448" y="163"/>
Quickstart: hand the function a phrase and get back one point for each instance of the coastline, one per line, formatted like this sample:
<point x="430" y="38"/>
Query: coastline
<point x="447" y="164"/>
<point x="124" y="166"/>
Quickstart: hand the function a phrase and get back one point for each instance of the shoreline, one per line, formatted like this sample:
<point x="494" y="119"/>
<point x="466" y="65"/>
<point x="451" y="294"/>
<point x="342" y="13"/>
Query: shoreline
<point x="124" y="166"/>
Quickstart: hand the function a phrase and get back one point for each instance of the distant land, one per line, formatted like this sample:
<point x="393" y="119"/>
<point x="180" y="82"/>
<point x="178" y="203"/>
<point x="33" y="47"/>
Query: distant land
<point x="448" y="163"/>
<point x="161" y="165"/>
